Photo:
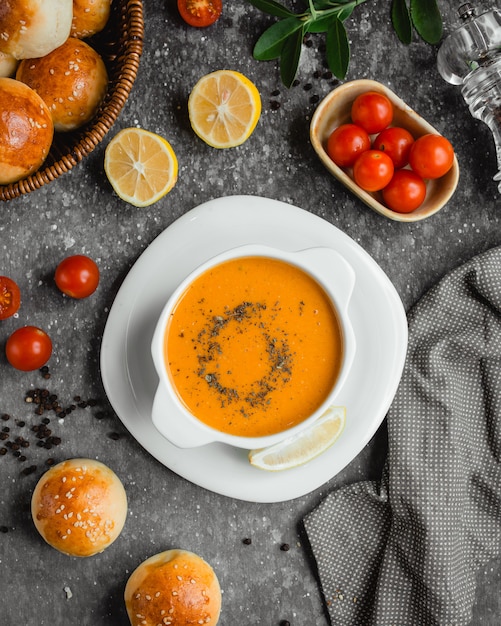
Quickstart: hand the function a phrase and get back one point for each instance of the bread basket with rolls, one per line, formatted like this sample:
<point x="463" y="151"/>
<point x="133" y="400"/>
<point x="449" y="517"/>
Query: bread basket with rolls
<point x="83" y="72"/>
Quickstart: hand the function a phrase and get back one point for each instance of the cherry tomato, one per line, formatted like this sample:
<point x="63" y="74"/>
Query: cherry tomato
<point x="373" y="170"/>
<point x="373" y="111"/>
<point x="346" y="142"/>
<point x="405" y="192"/>
<point x="397" y="143"/>
<point x="10" y="297"/>
<point x="200" y="13"/>
<point x="28" y="348"/>
<point x="77" y="276"/>
<point x="431" y="156"/>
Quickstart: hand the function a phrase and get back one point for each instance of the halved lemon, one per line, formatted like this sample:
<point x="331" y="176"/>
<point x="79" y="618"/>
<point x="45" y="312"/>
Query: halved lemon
<point x="224" y="108"/>
<point x="303" y="447"/>
<point x="141" y="166"/>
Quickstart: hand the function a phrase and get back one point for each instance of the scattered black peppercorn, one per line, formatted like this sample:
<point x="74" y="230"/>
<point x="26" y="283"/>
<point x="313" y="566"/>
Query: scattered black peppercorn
<point x="285" y="622"/>
<point x="29" y="470"/>
<point x="4" y="529"/>
<point x="285" y="547"/>
<point x="44" y="401"/>
<point x="247" y="541"/>
<point x="114" y="436"/>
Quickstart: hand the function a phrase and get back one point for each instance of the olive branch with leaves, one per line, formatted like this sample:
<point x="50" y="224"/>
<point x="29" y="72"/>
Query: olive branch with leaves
<point x="284" y="38"/>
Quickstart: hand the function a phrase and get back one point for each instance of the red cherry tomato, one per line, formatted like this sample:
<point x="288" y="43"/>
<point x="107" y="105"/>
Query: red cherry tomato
<point x="10" y="297"/>
<point x="405" y="192"/>
<point x="397" y="143"/>
<point x="77" y="276"/>
<point x="431" y="156"/>
<point x="373" y="111"/>
<point x="373" y="170"/>
<point x="346" y="142"/>
<point x="28" y="348"/>
<point x="200" y="13"/>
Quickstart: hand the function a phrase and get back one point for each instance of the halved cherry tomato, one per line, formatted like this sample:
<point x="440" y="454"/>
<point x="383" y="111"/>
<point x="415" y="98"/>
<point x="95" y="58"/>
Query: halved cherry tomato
<point x="431" y="156"/>
<point x="28" y="348"/>
<point x="346" y="142"/>
<point x="373" y="111"/>
<point x="200" y="13"/>
<point x="373" y="170"/>
<point x="10" y="297"/>
<point x="397" y="143"/>
<point x="77" y="276"/>
<point x="405" y="192"/>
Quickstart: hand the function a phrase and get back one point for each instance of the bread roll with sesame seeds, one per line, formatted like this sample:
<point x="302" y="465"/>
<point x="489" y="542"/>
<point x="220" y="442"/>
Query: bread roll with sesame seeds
<point x="72" y="80"/>
<point x="26" y="131"/>
<point x="79" y="507"/>
<point x="173" y="587"/>
<point x="33" y="28"/>
<point x="89" y="17"/>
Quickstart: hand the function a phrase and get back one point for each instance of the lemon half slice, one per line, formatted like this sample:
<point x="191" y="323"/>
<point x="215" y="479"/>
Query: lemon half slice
<point x="304" y="446"/>
<point x="224" y="108"/>
<point x="141" y="166"/>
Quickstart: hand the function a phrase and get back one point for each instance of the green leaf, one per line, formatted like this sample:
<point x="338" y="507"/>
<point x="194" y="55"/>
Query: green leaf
<point x="401" y="21"/>
<point x="321" y="25"/>
<point x="272" y="8"/>
<point x="338" y="49"/>
<point x="321" y="5"/>
<point x="427" y="20"/>
<point x="289" y="59"/>
<point x="269" y="45"/>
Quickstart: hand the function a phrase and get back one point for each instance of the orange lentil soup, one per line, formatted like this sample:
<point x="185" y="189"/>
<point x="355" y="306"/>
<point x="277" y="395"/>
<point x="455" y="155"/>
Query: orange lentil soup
<point x="253" y="346"/>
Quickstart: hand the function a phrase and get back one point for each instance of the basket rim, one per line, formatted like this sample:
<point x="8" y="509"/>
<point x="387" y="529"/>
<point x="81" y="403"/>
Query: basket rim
<point x="117" y="96"/>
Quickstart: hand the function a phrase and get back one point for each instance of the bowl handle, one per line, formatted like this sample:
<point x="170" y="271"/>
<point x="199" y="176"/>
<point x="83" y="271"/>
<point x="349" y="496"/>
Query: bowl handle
<point x="328" y="262"/>
<point x="173" y="425"/>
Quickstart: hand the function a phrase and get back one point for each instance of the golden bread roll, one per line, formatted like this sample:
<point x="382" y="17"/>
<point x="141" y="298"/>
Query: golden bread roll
<point x="89" y="17"/>
<point x="72" y="80"/>
<point x="8" y="65"/>
<point x="173" y="587"/>
<point x="33" y="28"/>
<point x="26" y="131"/>
<point x="79" y="507"/>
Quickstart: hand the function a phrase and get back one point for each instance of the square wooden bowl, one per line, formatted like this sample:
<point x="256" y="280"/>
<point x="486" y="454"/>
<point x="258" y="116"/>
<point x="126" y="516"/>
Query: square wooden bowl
<point x="120" y="44"/>
<point x="335" y="110"/>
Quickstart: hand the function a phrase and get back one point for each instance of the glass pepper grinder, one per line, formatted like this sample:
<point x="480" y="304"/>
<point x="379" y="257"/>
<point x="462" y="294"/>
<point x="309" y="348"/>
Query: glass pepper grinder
<point x="471" y="57"/>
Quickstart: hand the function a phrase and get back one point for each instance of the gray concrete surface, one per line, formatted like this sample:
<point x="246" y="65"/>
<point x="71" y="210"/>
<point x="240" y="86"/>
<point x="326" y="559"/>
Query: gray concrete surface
<point x="79" y="213"/>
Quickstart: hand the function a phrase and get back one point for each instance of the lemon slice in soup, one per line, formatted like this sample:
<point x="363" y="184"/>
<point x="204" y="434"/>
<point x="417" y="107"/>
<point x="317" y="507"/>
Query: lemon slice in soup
<point x="304" y="446"/>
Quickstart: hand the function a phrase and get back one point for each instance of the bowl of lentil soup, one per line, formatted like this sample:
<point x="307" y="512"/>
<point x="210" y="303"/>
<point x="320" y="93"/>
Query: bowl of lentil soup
<point x="253" y="346"/>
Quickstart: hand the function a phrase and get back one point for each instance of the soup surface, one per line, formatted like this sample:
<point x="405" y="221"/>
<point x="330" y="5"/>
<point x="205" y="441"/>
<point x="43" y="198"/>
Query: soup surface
<point x="253" y="346"/>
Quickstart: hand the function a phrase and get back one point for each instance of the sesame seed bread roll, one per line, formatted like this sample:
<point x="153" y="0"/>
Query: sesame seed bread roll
<point x="79" y="507"/>
<point x="33" y="28"/>
<point x="89" y="17"/>
<point x="72" y="80"/>
<point x="8" y="65"/>
<point x="26" y="131"/>
<point x="173" y="587"/>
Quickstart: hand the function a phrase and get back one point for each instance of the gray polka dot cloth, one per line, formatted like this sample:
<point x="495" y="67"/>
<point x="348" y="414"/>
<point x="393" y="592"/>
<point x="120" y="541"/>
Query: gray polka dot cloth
<point x="405" y="551"/>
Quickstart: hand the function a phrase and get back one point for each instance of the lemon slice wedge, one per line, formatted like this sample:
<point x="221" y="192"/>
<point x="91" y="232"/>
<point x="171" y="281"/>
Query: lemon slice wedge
<point x="303" y="447"/>
<point x="141" y="166"/>
<point x="224" y="108"/>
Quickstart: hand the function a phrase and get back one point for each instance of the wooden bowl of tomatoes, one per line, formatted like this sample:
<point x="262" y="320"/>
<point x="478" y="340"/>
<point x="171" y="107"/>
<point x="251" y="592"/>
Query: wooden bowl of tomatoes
<point x="395" y="133"/>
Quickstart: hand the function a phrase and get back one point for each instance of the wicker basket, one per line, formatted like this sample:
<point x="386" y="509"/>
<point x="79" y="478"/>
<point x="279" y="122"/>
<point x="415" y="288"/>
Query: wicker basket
<point x="120" y="45"/>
